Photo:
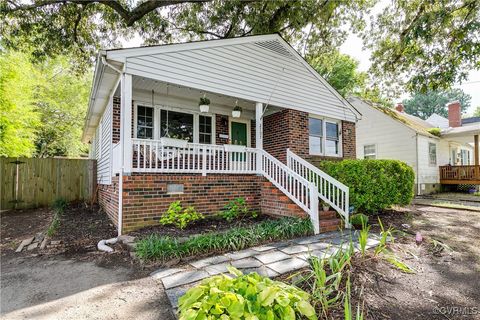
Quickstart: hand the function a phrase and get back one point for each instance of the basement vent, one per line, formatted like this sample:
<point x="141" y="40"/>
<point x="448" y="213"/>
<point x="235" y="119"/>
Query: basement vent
<point x="277" y="47"/>
<point x="174" y="188"/>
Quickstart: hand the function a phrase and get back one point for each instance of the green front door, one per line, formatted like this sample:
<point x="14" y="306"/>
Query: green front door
<point x="239" y="133"/>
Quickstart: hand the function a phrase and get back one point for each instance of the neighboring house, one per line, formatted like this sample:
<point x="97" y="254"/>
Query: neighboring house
<point x="270" y="114"/>
<point x="385" y="133"/>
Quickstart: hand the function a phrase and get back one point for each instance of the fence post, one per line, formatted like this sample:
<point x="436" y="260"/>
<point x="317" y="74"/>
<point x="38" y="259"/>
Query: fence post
<point x="314" y="207"/>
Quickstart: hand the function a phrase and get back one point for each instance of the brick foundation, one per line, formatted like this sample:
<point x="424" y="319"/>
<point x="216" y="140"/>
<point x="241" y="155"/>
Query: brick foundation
<point x="274" y="202"/>
<point x="108" y="199"/>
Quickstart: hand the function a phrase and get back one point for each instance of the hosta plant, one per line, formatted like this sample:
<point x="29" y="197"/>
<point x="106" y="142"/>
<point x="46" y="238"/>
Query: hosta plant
<point x="250" y="297"/>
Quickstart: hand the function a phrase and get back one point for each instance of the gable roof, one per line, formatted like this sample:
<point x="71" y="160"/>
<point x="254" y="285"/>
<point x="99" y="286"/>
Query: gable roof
<point x="438" y="121"/>
<point x="414" y="123"/>
<point x="262" y="68"/>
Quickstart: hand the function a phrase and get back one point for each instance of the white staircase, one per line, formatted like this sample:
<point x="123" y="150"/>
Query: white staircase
<point x="329" y="189"/>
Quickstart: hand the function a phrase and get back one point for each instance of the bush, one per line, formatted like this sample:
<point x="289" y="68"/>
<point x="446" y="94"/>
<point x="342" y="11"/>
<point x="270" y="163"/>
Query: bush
<point x="245" y="297"/>
<point x="374" y="184"/>
<point x="180" y="217"/>
<point x="164" y="248"/>
<point x="235" y="208"/>
<point x="358" y="219"/>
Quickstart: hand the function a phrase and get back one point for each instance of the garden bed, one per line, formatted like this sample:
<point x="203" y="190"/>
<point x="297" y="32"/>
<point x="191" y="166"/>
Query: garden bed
<point x="207" y="225"/>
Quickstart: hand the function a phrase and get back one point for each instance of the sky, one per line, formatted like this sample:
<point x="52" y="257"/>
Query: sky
<point x="353" y="47"/>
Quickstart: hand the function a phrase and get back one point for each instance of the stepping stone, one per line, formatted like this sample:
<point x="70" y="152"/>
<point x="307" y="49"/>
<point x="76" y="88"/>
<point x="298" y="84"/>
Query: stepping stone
<point x="209" y="261"/>
<point x="39" y="237"/>
<point x="294" y="249"/>
<point x="217" y="268"/>
<point x="264" y="271"/>
<point x="273" y="256"/>
<point x="32" y="246"/>
<point x="306" y="241"/>
<point x="287" y="265"/>
<point x="319" y="245"/>
<point x="246" y="263"/>
<point x="165" y="272"/>
<point x="24" y="243"/>
<point x="316" y="253"/>
<point x="237" y="255"/>
<point x="182" y="278"/>
<point x="43" y="244"/>
<point x="263" y="248"/>
<point x="175" y="293"/>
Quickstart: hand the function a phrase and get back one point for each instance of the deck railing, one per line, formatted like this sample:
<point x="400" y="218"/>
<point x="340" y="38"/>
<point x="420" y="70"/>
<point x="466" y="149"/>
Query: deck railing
<point x="464" y="174"/>
<point x="330" y="190"/>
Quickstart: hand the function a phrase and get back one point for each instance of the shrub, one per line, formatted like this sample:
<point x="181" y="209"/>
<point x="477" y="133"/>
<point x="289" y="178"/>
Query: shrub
<point x="358" y="219"/>
<point x="180" y="217"/>
<point x="164" y="248"/>
<point x="248" y="296"/>
<point x="435" y="131"/>
<point x="235" y="208"/>
<point x="374" y="184"/>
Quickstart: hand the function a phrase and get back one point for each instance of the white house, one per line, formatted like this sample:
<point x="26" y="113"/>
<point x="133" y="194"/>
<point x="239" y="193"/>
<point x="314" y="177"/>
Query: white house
<point x="450" y="158"/>
<point x="269" y="113"/>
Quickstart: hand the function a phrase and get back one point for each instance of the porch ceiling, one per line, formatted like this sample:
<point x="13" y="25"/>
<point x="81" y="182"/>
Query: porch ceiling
<point x="462" y="134"/>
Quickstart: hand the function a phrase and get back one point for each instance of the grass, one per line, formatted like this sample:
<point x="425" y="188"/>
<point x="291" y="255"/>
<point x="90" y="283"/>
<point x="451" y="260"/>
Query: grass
<point x="163" y="248"/>
<point x="59" y="206"/>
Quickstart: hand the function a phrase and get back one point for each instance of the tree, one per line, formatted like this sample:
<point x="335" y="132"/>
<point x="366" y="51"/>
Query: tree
<point x="424" y="105"/>
<point x="18" y="116"/>
<point x="53" y="27"/>
<point x="430" y="45"/>
<point x="340" y="70"/>
<point x="476" y="113"/>
<point x="43" y="107"/>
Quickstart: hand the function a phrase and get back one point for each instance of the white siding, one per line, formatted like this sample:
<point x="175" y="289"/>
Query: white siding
<point x="104" y="160"/>
<point x="429" y="173"/>
<point x="392" y="139"/>
<point x="248" y="71"/>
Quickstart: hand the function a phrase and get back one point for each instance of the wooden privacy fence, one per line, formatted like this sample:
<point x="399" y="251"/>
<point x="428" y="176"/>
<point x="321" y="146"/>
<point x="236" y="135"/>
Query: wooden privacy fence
<point x="37" y="182"/>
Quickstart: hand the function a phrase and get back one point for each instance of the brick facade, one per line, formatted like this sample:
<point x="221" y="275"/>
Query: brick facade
<point x="116" y="120"/>
<point x="108" y="199"/>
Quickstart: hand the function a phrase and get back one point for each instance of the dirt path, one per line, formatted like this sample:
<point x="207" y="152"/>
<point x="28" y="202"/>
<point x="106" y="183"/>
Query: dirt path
<point x="73" y="281"/>
<point x="446" y="283"/>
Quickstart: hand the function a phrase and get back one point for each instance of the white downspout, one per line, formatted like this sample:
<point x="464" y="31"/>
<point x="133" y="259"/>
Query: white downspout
<point x="102" y="244"/>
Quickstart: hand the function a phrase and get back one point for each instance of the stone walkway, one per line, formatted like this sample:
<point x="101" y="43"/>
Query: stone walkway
<point x="269" y="260"/>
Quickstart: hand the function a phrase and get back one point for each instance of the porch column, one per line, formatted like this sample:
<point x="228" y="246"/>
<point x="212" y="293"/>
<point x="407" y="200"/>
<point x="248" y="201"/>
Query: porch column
<point x="476" y="150"/>
<point x="126" y="121"/>
<point x="259" y="132"/>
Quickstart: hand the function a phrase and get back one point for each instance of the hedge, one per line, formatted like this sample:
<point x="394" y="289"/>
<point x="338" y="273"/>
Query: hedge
<point x="374" y="184"/>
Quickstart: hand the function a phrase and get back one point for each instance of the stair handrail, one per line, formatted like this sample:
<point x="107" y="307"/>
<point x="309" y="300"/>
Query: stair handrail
<point x="340" y="201"/>
<point x="301" y="191"/>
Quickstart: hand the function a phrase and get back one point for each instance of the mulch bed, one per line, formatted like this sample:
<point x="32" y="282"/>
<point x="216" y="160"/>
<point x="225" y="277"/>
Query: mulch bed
<point x="209" y="224"/>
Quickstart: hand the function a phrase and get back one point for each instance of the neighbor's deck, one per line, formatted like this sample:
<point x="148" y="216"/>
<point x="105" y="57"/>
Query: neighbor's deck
<point x="460" y="174"/>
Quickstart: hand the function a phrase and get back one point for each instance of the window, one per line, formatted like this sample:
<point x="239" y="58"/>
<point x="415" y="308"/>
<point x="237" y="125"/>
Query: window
<point x="144" y="122"/>
<point x="465" y="157"/>
<point x="315" y="128"/>
<point x="331" y="142"/>
<point x="369" y="151"/>
<point x="324" y="137"/>
<point x="205" y="129"/>
<point x="432" y="153"/>
<point x="176" y="125"/>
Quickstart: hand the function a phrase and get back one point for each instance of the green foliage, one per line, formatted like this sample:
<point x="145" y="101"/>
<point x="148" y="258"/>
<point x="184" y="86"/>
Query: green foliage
<point x="431" y="44"/>
<point x="52" y="229"/>
<point x="80" y="28"/>
<point x="43" y="107"/>
<point x="347" y="307"/>
<point x="341" y="72"/>
<point x="435" y="131"/>
<point x="363" y="237"/>
<point x="157" y="247"/>
<point x="374" y="184"/>
<point x="396" y="262"/>
<point x="204" y="101"/>
<point x="59" y="206"/>
<point x="19" y="117"/>
<point x="476" y="113"/>
<point x="385" y="235"/>
<point x="358" y="219"/>
<point x="248" y="296"/>
<point x="424" y="105"/>
<point x="235" y="208"/>
<point x="180" y="217"/>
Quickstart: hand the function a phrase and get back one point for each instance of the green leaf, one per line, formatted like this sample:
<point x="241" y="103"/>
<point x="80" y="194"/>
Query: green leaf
<point x="306" y="309"/>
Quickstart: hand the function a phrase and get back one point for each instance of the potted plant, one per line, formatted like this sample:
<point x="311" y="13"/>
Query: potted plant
<point x="237" y="111"/>
<point x="204" y="104"/>
<point x="325" y="206"/>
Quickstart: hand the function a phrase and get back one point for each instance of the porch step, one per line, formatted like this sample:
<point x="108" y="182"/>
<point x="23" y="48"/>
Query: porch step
<point x="330" y="225"/>
<point x="330" y="214"/>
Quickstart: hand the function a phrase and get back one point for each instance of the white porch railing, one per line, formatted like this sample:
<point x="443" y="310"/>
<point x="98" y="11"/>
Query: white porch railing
<point x="155" y="156"/>
<point x="298" y="189"/>
<point x="330" y="190"/>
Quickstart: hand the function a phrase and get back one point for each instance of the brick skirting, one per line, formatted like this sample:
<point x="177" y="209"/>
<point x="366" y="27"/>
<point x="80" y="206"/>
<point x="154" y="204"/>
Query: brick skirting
<point x="145" y="196"/>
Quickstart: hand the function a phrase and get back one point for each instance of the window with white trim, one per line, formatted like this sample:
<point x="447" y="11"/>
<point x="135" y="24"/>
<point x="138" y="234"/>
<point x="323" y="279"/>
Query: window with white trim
<point x="432" y="154"/>
<point x="177" y="125"/>
<point x="369" y="151"/>
<point x="205" y="129"/>
<point x="323" y="137"/>
<point x="145" y="122"/>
